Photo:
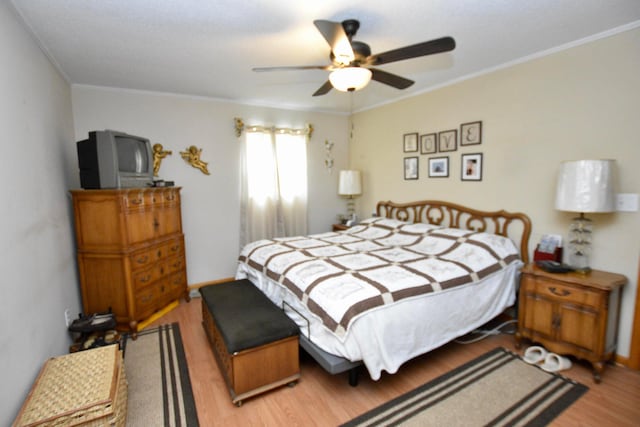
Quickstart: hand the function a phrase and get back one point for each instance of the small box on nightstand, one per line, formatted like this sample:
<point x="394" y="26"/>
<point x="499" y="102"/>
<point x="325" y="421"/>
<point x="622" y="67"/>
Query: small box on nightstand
<point x="539" y="255"/>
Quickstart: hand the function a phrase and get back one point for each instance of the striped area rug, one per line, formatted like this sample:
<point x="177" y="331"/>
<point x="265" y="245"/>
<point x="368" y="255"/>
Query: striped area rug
<point x="159" y="387"/>
<point x="495" y="389"/>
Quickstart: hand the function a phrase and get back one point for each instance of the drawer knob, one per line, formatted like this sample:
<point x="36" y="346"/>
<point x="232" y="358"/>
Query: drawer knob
<point x="143" y="259"/>
<point x="560" y="293"/>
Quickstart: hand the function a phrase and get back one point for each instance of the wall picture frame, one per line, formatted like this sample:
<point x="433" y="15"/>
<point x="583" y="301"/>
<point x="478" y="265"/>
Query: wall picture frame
<point x="410" y="142"/>
<point x="471" y="133"/>
<point x="428" y="143"/>
<point x="411" y="168"/>
<point x="471" y="167"/>
<point x="448" y="140"/>
<point x="438" y="167"/>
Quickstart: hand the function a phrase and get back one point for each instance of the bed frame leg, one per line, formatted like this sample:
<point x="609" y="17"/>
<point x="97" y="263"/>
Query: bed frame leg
<point x="353" y="376"/>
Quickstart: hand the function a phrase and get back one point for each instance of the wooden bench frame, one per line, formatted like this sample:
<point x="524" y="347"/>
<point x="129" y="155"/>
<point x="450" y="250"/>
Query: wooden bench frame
<point x="256" y="370"/>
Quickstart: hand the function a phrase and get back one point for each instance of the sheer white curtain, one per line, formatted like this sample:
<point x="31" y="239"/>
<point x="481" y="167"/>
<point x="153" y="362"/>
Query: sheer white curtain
<point x="273" y="185"/>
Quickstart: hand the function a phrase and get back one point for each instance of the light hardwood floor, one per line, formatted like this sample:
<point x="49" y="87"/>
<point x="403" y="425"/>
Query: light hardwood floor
<point x="320" y="399"/>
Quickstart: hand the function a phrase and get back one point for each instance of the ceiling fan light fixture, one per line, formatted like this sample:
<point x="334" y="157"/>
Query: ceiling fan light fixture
<point x="349" y="79"/>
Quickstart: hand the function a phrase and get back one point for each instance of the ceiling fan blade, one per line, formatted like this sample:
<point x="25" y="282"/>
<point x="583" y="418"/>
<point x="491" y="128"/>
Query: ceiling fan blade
<point x="334" y="34"/>
<point x="443" y="44"/>
<point x="291" y="68"/>
<point x="324" y="89"/>
<point x="390" y="79"/>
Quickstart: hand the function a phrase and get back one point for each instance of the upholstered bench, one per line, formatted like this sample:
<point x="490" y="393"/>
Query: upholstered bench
<point x="254" y="342"/>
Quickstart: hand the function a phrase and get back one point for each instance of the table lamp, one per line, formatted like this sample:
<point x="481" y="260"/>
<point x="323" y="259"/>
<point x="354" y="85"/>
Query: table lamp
<point x="584" y="186"/>
<point x="350" y="185"/>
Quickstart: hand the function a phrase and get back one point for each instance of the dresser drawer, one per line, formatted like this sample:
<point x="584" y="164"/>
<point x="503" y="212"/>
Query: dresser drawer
<point x="176" y="284"/>
<point x="133" y="200"/>
<point x="172" y="248"/>
<point x="145" y="199"/>
<point x="143" y="258"/>
<point x="149" y="256"/>
<point x="146" y="301"/>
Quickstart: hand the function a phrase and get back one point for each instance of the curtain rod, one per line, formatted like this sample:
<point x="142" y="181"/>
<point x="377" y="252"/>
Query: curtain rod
<point x="240" y="126"/>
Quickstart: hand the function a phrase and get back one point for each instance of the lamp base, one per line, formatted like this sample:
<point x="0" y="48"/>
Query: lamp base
<point x="579" y="261"/>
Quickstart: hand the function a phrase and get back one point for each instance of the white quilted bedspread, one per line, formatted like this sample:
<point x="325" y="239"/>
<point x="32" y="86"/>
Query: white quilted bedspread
<point x="339" y="276"/>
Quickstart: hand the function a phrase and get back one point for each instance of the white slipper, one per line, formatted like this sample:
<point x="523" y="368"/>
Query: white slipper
<point x="555" y="363"/>
<point x="535" y="354"/>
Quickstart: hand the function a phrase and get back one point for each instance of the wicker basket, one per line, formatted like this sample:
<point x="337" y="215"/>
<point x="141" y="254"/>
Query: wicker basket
<point x="88" y="388"/>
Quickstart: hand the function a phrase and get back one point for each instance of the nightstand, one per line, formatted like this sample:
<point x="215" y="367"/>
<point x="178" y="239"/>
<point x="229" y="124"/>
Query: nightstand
<point x="571" y="313"/>
<point x="340" y="227"/>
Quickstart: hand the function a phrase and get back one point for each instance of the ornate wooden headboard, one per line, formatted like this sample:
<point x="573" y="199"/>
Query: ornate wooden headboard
<point x="516" y="226"/>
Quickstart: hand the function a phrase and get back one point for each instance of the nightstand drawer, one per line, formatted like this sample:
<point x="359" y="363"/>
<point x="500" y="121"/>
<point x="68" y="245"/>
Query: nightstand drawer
<point x="567" y="293"/>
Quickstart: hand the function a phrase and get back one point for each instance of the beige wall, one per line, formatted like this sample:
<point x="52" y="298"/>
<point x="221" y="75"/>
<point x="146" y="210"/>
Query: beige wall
<point x="210" y="203"/>
<point x="579" y="103"/>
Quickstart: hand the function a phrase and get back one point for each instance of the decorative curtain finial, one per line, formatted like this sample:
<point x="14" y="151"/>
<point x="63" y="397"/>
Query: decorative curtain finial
<point x="309" y="130"/>
<point x="239" y="125"/>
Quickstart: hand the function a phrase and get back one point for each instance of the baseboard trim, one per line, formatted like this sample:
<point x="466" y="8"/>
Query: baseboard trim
<point x="197" y="286"/>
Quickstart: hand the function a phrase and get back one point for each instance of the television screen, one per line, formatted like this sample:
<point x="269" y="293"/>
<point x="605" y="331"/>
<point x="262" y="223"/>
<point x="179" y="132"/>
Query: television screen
<point x="132" y="155"/>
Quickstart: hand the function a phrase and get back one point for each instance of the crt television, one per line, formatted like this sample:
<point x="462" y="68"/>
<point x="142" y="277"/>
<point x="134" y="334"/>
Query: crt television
<point x="112" y="159"/>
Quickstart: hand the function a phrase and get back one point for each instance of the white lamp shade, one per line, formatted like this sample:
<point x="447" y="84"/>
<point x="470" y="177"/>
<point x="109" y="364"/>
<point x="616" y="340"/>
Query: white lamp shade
<point x="585" y="186"/>
<point x="349" y="79"/>
<point x="350" y="183"/>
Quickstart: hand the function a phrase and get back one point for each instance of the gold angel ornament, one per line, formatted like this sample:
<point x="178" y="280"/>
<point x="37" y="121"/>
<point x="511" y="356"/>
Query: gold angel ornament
<point x="159" y="153"/>
<point x="192" y="156"/>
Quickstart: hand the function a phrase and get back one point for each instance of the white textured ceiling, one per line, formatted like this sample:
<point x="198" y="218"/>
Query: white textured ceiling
<point x="208" y="47"/>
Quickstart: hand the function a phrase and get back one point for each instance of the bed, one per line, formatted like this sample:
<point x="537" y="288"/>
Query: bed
<point x="408" y="280"/>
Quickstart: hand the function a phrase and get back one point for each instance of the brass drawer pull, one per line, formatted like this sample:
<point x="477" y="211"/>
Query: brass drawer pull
<point x="145" y="279"/>
<point x="562" y="293"/>
<point x="143" y="260"/>
<point x="136" y="201"/>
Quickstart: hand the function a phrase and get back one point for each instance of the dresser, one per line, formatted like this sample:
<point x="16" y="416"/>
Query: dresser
<point x="131" y="256"/>
<point x="571" y="313"/>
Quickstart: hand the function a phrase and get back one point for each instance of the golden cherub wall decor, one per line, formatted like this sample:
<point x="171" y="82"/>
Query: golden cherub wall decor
<point x="159" y="153"/>
<point x="192" y="156"/>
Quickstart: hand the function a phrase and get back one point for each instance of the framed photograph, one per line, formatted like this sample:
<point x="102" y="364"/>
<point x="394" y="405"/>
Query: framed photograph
<point x="410" y="142"/>
<point x="471" y="167"/>
<point x="428" y="143"/>
<point x="410" y="168"/>
<point x="448" y="140"/>
<point x="470" y="133"/>
<point x="438" y="167"/>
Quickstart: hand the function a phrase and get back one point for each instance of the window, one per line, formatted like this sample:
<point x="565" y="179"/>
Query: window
<point x="274" y="189"/>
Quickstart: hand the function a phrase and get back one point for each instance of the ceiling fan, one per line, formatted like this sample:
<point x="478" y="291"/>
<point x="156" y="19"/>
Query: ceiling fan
<point x="352" y="62"/>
